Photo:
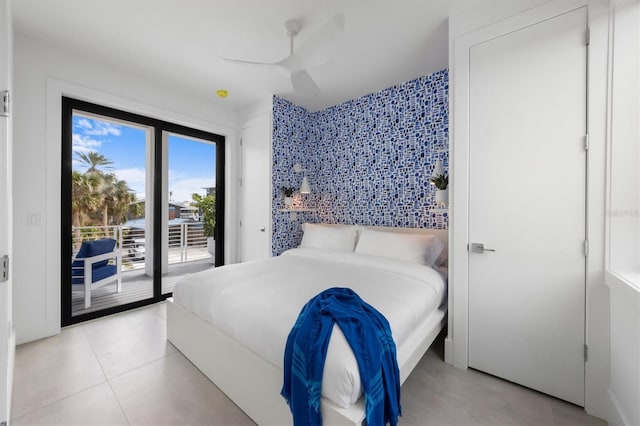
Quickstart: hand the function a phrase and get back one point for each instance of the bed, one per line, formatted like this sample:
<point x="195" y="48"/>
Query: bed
<point x="232" y="322"/>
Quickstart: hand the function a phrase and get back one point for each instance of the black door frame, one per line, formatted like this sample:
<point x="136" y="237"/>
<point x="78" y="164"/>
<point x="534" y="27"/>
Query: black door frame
<point x="69" y="105"/>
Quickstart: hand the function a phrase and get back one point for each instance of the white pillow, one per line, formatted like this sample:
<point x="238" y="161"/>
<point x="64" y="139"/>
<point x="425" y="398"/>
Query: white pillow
<point x="419" y="248"/>
<point x="338" y="238"/>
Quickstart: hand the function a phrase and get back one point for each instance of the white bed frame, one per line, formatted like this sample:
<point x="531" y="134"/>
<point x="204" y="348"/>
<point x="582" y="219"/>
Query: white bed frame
<point x="254" y="384"/>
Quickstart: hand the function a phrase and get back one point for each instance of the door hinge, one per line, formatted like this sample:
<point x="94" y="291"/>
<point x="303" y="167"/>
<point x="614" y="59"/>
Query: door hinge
<point x="6" y="104"/>
<point x="586" y="353"/>
<point x="240" y="181"/>
<point x="3" y="423"/>
<point x="586" y="142"/>
<point x="586" y="247"/>
<point x="587" y="37"/>
<point x="4" y="269"/>
<point x="240" y="142"/>
<point x="240" y="222"/>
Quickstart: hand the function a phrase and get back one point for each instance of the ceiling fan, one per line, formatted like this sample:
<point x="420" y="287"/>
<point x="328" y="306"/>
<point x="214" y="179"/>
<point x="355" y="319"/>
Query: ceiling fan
<point x="314" y="52"/>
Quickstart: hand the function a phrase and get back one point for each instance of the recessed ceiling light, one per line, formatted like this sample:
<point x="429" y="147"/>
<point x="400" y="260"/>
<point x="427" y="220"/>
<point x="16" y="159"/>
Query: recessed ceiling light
<point x="222" y="93"/>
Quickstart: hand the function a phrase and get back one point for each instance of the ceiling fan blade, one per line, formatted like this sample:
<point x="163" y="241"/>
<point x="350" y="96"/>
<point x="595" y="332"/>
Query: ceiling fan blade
<point x="319" y="47"/>
<point x="240" y="61"/>
<point x="316" y="51"/>
<point x="303" y="84"/>
<point x="291" y="63"/>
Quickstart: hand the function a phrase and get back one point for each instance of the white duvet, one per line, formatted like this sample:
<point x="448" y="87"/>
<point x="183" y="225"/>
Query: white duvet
<point x="257" y="303"/>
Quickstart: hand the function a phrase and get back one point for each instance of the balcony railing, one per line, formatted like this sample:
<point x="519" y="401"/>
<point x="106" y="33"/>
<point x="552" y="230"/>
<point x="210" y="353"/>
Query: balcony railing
<point x="186" y="242"/>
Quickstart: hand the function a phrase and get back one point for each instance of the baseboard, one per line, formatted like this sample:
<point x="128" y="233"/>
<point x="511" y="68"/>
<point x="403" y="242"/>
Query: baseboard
<point x="448" y="350"/>
<point x="617" y="417"/>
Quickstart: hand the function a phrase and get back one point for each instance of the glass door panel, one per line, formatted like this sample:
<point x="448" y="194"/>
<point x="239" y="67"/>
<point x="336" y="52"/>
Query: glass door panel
<point x="110" y="213"/>
<point x="190" y="216"/>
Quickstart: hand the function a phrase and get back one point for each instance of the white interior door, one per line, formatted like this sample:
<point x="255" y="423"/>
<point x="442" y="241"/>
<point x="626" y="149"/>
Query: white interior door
<point x="255" y="229"/>
<point x="7" y="336"/>
<point x="527" y="202"/>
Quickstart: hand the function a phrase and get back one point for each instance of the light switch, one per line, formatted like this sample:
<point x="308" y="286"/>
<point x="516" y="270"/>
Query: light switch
<point x="33" y="219"/>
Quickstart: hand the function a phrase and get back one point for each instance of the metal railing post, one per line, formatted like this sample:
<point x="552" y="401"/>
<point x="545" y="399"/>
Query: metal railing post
<point x="183" y="243"/>
<point x="185" y="227"/>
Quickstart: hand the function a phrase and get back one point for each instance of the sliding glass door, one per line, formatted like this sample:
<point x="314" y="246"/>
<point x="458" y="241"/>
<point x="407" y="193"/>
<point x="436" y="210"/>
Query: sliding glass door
<point x="142" y="203"/>
<point x="109" y="187"/>
<point x="190" y="223"/>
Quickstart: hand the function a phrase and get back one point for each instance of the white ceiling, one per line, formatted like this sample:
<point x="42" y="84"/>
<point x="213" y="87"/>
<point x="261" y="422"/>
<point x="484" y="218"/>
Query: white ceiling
<point x="178" y="43"/>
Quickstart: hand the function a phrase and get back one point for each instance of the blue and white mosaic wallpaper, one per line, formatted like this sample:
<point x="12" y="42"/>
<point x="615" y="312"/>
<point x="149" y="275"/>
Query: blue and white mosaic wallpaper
<point x="368" y="160"/>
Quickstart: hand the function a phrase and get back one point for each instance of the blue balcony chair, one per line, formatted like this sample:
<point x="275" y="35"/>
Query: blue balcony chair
<point x="91" y="269"/>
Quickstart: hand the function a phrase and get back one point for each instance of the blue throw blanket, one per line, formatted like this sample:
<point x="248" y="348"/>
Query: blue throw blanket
<point x="369" y="336"/>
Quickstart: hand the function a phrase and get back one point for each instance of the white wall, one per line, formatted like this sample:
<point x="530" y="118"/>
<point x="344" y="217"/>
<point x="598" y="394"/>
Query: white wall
<point x="251" y="112"/>
<point x="623" y="276"/>
<point x="468" y="27"/>
<point x="624" y="208"/>
<point x="42" y="75"/>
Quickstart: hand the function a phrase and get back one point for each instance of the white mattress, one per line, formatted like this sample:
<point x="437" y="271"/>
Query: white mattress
<point x="257" y="303"/>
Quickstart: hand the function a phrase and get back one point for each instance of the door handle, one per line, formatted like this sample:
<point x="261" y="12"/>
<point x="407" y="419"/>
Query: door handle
<point x="261" y="229"/>
<point x="479" y="248"/>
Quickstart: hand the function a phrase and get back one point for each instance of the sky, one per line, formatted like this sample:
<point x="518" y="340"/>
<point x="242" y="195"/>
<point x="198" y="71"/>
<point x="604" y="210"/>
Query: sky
<point x="191" y="163"/>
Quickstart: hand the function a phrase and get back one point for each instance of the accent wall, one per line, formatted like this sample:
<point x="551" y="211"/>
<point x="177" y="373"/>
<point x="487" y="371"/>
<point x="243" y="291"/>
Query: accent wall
<point x="368" y="160"/>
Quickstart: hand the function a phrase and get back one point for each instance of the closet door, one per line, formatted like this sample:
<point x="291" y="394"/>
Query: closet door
<point x="527" y="206"/>
<point x="255" y="220"/>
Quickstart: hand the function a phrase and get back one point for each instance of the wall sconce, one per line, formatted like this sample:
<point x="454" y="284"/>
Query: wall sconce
<point x="304" y="188"/>
<point x="437" y="170"/>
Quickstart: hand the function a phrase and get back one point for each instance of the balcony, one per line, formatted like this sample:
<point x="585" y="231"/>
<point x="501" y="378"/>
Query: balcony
<point x="186" y="253"/>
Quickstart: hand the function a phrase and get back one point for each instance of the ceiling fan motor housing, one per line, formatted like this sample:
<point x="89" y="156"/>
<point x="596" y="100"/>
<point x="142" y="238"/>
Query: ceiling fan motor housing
<point x="292" y="27"/>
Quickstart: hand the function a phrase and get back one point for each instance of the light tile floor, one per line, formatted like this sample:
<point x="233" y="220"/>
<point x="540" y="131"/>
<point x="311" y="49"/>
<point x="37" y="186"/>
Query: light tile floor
<point x="120" y="370"/>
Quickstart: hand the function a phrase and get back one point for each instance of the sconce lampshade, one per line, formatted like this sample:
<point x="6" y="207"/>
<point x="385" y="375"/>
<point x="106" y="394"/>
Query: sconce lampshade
<point x="437" y="170"/>
<point x="305" y="188"/>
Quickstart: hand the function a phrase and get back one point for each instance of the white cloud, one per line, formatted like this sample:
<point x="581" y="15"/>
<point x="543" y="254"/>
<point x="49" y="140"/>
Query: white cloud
<point x="182" y="189"/>
<point x="83" y="123"/>
<point x="176" y="175"/>
<point x="135" y="178"/>
<point x="83" y="143"/>
<point x="103" y="128"/>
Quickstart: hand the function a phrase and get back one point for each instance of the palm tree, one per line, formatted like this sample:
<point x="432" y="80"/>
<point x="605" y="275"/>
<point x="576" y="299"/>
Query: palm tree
<point x="85" y="198"/>
<point x="116" y="198"/>
<point x="135" y="209"/>
<point x="125" y="197"/>
<point x="94" y="160"/>
<point x="99" y="198"/>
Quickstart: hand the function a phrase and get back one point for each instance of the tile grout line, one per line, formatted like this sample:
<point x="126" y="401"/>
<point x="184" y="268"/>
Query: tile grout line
<point x="75" y="393"/>
<point x="158" y="316"/>
<point x="107" y="380"/>
<point x="131" y="371"/>
<point x="95" y="355"/>
<point x="119" y="403"/>
<point x="59" y="400"/>
<point x="143" y="365"/>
